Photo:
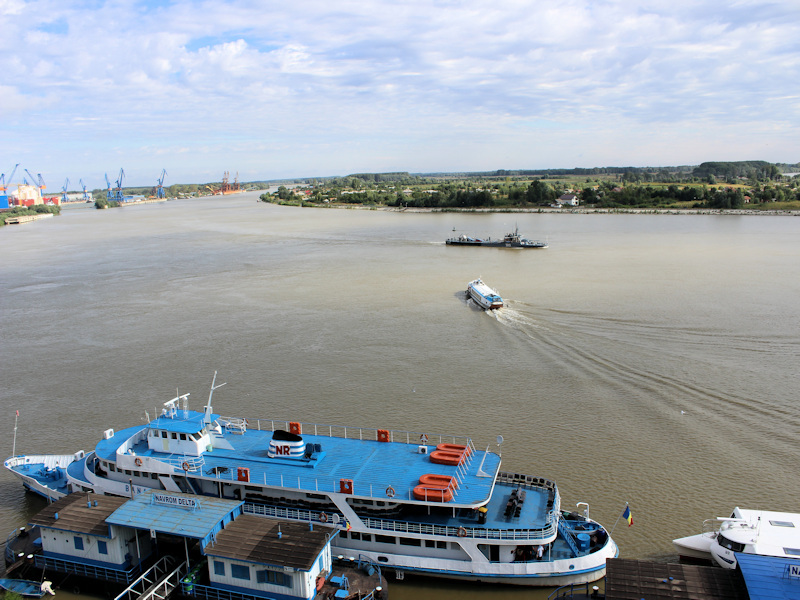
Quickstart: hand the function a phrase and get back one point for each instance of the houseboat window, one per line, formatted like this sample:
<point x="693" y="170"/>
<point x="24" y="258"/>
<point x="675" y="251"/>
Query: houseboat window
<point x="729" y="544"/>
<point x="164" y="434"/>
<point x="366" y="537"/>
<point x="274" y="577"/>
<point x="385" y="539"/>
<point x="383" y="559"/>
<point x="78" y="543"/>
<point x="194" y="436"/>
<point x="441" y="544"/>
<point x="112" y="467"/>
<point x="410" y="542"/>
<point x="354" y="535"/>
<point x="153" y="475"/>
<point x="781" y="523"/>
<point x="792" y="551"/>
<point x="183" y="437"/>
<point x="174" y="436"/>
<point x="240" y="572"/>
<point x="219" y="568"/>
<point x="102" y="547"/>
<point x="128" y="472"/>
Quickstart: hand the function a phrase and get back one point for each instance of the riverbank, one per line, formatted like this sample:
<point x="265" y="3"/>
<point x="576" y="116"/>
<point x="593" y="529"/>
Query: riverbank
<point x="569" y="210"/>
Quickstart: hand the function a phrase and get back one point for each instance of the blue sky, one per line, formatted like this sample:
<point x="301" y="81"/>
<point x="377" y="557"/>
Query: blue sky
<point x="311" y="88"/>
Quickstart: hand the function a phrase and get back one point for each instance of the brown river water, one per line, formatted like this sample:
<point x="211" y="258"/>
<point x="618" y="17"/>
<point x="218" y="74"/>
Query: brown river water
<point x="648" y="359"/>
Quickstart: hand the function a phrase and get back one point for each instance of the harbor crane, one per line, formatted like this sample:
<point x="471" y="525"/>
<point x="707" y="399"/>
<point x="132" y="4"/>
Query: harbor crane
<point x="37" y="182"/>
<point x="85" y="193"/>
<point x="3" y="184"/>
<point x="109" y="197"/>
<point x="160" y="188"/>
<point x="118" y="190"/>
<point x="64" y="191"/>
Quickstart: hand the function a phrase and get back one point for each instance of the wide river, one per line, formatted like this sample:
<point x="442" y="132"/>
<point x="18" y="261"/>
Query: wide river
<point x="648" y="359"/>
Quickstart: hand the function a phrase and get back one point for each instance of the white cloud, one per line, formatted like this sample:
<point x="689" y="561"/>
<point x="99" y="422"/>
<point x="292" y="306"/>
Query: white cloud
<point x="315" y="88"/>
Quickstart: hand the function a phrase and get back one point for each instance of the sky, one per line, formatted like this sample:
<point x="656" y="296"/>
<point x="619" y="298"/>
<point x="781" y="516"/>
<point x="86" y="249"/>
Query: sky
<point x="279" y="89"/>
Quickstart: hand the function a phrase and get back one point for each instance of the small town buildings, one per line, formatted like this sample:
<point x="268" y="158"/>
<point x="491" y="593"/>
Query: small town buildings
<point x="569" y="200"/>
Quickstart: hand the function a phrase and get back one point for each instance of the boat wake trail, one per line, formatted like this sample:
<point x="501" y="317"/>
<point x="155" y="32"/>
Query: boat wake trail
<point x="658" y="369"/>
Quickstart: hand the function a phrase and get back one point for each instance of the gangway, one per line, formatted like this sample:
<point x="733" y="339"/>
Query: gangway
<point x="157" y="582"/>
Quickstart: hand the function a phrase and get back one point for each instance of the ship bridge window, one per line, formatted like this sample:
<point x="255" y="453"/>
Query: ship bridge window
<point x="729" y="544"/>
<point x="183" y="437"/>
<point x="174" y="436"/>
<point x="792" y="551"/>
<point x="164" y="434"/>
<point x="781" y="523"/>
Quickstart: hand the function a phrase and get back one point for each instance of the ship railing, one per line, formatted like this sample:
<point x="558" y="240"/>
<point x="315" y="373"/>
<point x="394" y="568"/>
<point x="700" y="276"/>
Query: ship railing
<point x="712" y="525"/>
<point x="185" y="463"/>
<point x="63" y="565"/>
<point x="48" y="461"/>
<point x="415" y="438"/>
<point x="337" y="519"/>
<point x="234" y="424"/>
<point x="323" y="485"/>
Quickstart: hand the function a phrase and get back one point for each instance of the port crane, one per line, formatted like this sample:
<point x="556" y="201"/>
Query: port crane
<point x="109" y="197"/>
<point x="3" y="184"/>
<point x="64" y="191"/>
<point x="85" y="193"/>
<point x="160" y="188"/>
<point x="37" y="182"/>
<point x="118" y="190"/>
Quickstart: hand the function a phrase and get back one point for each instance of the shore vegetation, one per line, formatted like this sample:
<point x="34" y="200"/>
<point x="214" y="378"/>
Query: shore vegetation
<point x="752" y="185"/>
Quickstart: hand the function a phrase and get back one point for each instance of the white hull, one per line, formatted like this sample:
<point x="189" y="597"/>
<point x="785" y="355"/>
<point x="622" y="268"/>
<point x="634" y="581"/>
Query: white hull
<point x="695" y="547"/>
<point x="540" y="574"/>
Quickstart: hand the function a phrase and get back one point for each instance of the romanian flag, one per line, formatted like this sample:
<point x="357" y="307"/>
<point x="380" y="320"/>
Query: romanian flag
<point x="626" y="514"/>
<point x="349" y="527"/>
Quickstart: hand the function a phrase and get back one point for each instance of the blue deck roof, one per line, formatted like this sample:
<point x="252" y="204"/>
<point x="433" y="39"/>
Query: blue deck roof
<point x="373" y="466"/>
<point x="770" y="577"/>
<point x="142" y="512"/>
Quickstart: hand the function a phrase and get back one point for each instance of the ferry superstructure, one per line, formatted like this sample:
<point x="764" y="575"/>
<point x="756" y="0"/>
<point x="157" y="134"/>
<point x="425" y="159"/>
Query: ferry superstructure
<point x="414" y="502"/>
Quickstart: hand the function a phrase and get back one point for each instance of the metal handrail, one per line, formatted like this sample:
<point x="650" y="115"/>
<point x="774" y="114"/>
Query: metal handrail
<point x="360" y="433"/>
<point x="335" y="518"/>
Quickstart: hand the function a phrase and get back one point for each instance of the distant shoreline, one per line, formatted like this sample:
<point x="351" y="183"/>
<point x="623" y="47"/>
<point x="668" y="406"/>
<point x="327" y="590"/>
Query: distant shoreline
<point x="578" y="210"/>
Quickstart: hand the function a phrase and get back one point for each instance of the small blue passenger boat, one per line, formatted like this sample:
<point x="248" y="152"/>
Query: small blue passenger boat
<point x="23" y="587"/>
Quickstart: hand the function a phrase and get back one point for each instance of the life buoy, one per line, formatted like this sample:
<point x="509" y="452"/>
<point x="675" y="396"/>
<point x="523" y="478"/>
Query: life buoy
<point x="323" y="517"/>
<point x="462" y="532"/>
<point x="138" y="462"/>
<point x="390" y="492"/>
<point x="185" y="466"/>
<point x="423" y="439"/>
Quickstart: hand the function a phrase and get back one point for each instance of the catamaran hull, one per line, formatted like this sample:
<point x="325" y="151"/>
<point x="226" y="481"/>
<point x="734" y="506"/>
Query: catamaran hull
<point x="695" y="547"/>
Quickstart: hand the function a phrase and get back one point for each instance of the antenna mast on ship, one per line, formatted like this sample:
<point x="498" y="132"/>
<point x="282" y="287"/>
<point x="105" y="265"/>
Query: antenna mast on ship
<point x="207" y="417"/>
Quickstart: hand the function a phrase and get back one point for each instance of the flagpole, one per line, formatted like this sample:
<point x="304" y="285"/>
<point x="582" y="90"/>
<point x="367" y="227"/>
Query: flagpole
<point x="14" y="448"/>
<point x="618" y="518"/>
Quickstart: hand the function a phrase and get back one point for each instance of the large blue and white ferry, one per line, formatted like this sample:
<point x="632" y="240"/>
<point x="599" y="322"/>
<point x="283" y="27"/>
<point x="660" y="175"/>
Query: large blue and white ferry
<point x="415" y="502"/>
